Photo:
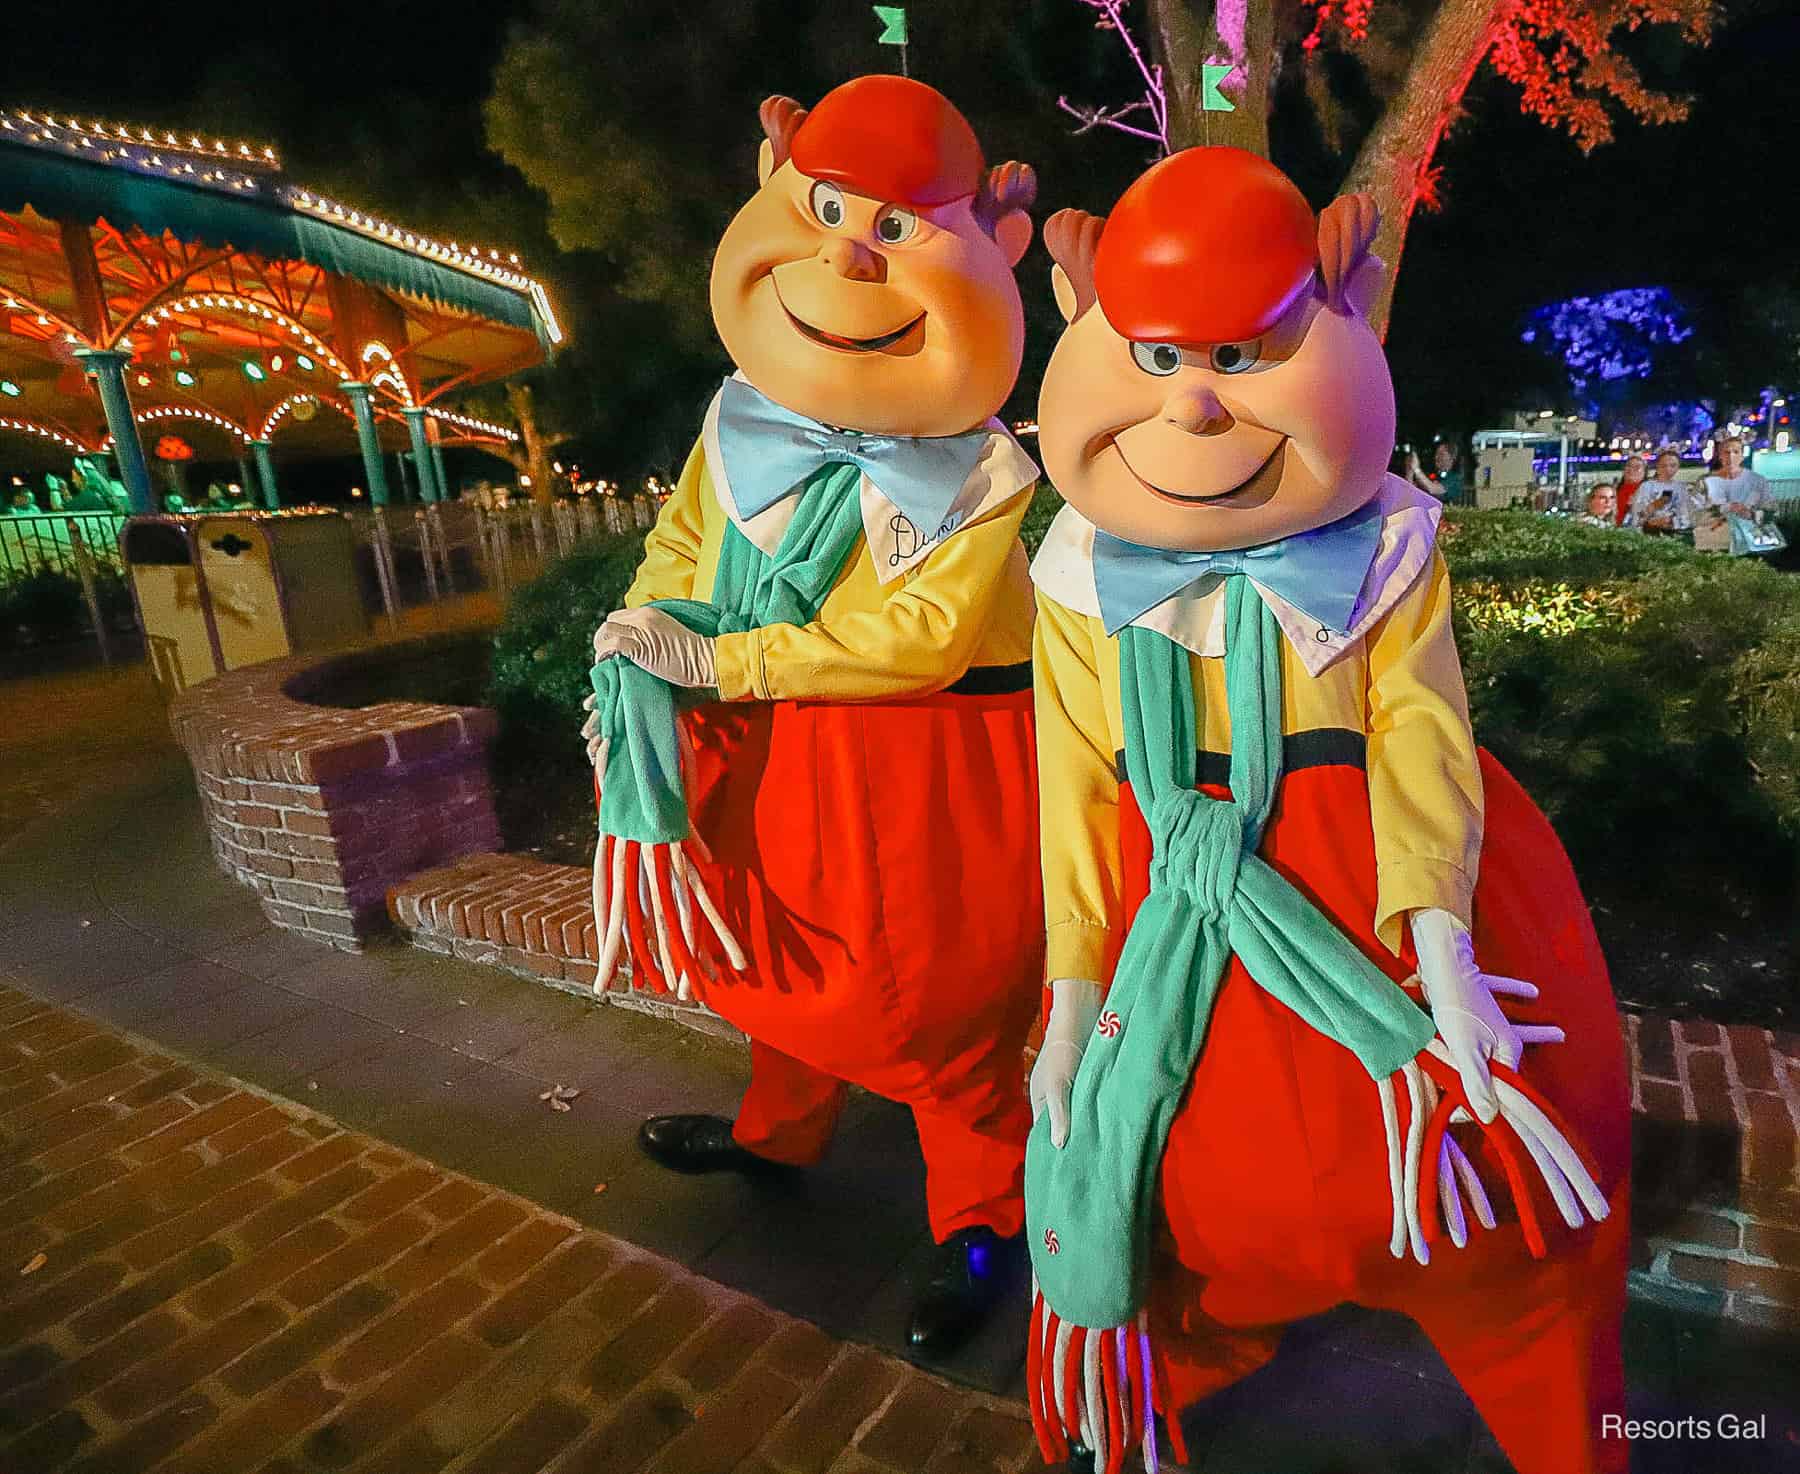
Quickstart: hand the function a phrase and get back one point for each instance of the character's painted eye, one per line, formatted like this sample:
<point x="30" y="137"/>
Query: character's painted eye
<point x="1234" y="358"/>
<point x="1161" y="359"/>
<point x="895" y="224"/>
<point x="827" y="202"/>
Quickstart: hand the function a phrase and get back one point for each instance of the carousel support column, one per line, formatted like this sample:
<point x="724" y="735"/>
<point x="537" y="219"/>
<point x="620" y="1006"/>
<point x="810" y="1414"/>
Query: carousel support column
<point x="246" y="485"/>
<point x="265" y="473"/>
<point x="358" y="394"/>
<point x="437" y="466"/>
<point x="108" y="365"/>
<point x="430" y="488"/>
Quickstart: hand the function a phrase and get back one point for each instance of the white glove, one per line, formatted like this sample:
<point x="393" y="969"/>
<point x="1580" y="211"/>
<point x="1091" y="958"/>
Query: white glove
<point x="662" y="645"/>
<point x="1074" y="1010"/>
<point x="597" y="746"/>
<point x="1461" y="998"/>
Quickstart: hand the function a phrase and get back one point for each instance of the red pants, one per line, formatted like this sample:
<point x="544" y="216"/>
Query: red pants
<point x="974" y="1171"/>
<point x="1274" y="1184"/>
<point x="879" y="862"/>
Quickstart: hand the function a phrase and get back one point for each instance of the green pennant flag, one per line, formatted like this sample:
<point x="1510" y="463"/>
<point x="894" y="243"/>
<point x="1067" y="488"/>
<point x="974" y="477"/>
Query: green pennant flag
<point x="1211" y="99"/>
<point x="893" y="23"/>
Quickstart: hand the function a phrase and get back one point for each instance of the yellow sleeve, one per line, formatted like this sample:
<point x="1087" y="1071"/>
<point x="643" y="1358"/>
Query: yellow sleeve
<point x="672" y="547"/>
<point x="920" y="639"/>
<point x="1078" y="798"/>
<point x="1424" y="785"/>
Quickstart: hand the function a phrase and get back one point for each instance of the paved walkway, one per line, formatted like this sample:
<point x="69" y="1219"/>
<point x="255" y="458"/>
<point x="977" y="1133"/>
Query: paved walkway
<point x="183" y="1300"/>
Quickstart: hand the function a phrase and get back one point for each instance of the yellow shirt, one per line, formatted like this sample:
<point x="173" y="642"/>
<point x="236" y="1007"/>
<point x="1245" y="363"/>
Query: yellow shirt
<point x="966" y="603"/>
<point x="1399" y="682"/>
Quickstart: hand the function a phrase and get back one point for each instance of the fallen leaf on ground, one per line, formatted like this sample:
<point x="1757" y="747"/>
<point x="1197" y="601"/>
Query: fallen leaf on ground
<point x="38" y="1261"/>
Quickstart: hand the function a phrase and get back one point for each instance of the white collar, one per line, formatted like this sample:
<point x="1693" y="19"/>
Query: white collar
<point x="895" y="544"/>
<point x="1195" y="618"/>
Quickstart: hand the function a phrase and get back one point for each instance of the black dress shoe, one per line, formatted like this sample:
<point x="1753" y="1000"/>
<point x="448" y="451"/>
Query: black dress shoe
<point x="969" y="1279"/>
<point x="699" y="1144"/>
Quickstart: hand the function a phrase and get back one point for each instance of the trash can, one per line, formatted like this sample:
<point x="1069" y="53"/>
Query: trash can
<point x="223" y="590"/>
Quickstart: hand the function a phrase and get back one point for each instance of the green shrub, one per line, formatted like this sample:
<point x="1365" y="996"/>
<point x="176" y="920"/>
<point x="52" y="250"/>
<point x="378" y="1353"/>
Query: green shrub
<point x="40" y="605"/>
<point x="1045" y="504"/>
<point x="543" y="650"/>
<point x="1629" y="684"/>
<point x="1632" y="684"/>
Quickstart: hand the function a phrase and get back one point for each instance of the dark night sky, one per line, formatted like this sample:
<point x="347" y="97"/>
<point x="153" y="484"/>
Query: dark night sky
<point x="1528" y="217"/>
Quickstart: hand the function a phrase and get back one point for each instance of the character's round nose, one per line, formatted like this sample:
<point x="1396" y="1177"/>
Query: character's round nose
<point x="1197" y="410"/>
<point x="853" y="260"/>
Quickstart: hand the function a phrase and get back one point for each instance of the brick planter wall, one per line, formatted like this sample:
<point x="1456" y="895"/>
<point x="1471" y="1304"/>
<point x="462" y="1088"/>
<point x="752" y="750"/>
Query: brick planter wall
<point x="1716" y="1211"/>
<point x="320" y="809"/>
<point x="531" y="918"/>
<point x="1717" y="1215"/>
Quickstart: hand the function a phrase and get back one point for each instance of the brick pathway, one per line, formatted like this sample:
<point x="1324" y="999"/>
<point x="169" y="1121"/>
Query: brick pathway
<point x="201" y="1278"/>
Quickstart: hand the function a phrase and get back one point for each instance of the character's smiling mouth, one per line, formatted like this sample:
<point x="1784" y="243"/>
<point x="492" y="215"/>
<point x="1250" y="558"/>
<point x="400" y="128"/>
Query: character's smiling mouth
<point x="850" y="345"/>
<point x="1252" y="491"/>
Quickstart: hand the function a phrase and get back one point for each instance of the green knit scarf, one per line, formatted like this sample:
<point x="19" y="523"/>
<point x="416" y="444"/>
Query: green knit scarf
<point x="641" y="793"/>
<point x="1088" y="1205"/>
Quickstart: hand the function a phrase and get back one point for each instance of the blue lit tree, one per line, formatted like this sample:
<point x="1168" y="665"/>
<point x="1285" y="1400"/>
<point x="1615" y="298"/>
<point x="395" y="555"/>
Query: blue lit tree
<point x="1607" y="344"/>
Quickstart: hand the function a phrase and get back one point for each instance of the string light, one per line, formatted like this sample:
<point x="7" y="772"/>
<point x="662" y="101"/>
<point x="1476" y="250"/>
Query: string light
<point x="480" y="427"/>
<point x="31" y="427"/>
<point x="10" y="389"/>
<point x="184" y="412"/>
<point x="184" y="378"/>
<point x="171" y="155"/>
<point x="286" y="407"/>
<point x="249" y="307"/>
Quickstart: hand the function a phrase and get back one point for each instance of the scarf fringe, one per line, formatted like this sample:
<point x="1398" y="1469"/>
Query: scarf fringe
<point x="1430" y="1175"/>
<point x="1093" y="1387"/>
<point x="652" y="904"/>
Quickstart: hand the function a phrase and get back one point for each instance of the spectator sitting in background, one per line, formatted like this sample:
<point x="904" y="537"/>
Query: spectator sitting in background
<point x="1635" y="472"/>
<point x="21" y="503"/>
<point x="89" y="496"/>
<point x="1445" y="481"/>
<point x="1733" y="489"/>
<point x="1661" y="505"/>
<point x="1602" y="506"/>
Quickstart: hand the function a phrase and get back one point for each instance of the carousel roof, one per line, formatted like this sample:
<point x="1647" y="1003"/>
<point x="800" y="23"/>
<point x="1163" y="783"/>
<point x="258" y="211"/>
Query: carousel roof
<point x="244" y="298"/>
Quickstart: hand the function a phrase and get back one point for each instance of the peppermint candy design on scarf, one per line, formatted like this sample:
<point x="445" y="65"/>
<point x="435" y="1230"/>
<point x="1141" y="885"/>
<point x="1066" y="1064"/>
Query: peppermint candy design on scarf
<point x="1109" y="1025"/>
<point x="1052" y="1244"/>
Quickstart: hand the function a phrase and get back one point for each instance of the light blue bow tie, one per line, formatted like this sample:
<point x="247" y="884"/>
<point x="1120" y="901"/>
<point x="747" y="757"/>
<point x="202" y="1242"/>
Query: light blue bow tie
<point x="769" y="451"/>
<point x="1320" y="572"/>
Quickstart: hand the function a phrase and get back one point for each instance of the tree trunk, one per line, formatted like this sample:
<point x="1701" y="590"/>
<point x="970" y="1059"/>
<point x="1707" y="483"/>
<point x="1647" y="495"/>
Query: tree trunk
<point x="1186" y="34"/>
<point x="534" y="459"/>
<point x="1394" y="164"/>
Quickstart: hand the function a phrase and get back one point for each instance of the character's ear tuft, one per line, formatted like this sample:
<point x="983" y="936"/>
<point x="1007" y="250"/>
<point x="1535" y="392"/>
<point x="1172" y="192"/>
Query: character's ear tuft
<point x="781" y="120"/>
<point x="1347" y="228"/>
<point x="1007" y="193"/>
<point x="1005" y="188"/>
<point x="1072" y="238"/>
<point x="1363" y="289"/>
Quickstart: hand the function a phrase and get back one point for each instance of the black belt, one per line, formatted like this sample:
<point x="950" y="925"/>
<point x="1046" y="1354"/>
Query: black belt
<point x="1322" y="747"/>
<point x="993" y="680"/>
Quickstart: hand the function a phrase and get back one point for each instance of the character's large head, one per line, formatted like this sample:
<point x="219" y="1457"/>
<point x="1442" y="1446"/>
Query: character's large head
<point x="869" y="282"/>
<point x="1219" y="385"/>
